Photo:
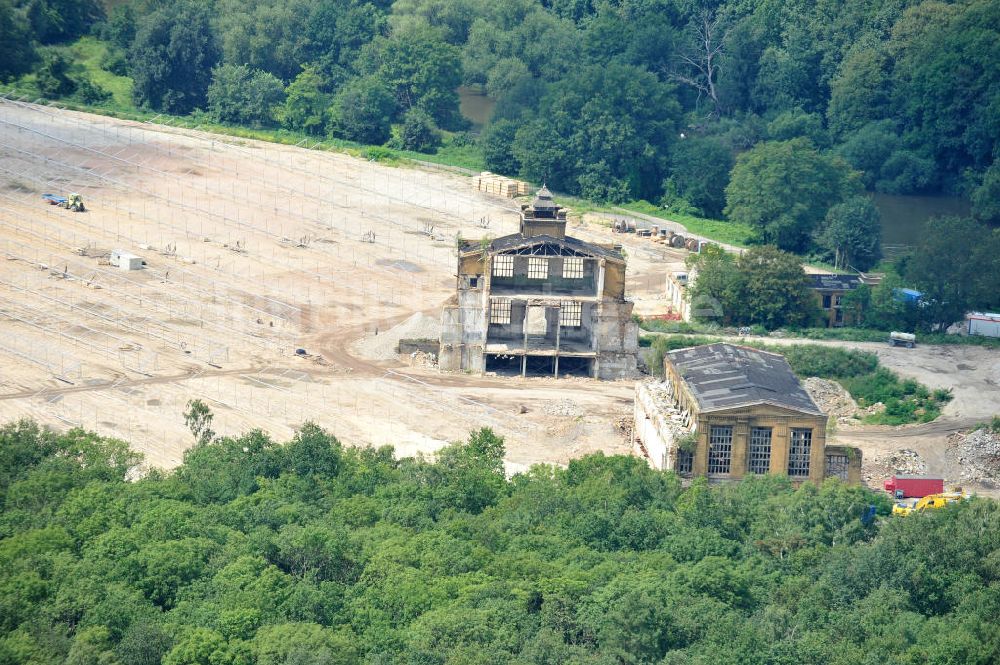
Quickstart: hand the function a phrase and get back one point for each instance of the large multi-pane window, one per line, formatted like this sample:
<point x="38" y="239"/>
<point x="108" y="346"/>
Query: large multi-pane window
<point x="503" y="265"/>
<point x="720" y="449"/>
<point x="837" y="466"/>
<point x="573" y="267"/>
<point x="538" y="268"/>
<point x="760" y="450"/>
<point x="571" y="314"/>
<point x="500" y="311"/>
<point x="685" y="461"/>
<point x="799" y="449"/>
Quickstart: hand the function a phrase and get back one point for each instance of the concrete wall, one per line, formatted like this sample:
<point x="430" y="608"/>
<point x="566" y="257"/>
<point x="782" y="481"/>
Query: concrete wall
<point x="676" y="297"/>
<point x="652" y="436"/>
<point x="829" y="314"/>
<point x="408" y="346"/>
<point x="514" y="331"/>
<point x="555" y="284"/>
<point x="606" y="326"/>
<point x="834" y="457"/>
<point x="781" y="423"/>
<point x="614" y="280"/>
<point x="463" y="333"/>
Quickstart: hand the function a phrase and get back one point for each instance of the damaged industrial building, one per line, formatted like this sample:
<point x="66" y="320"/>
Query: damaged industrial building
<point x="539" y="302"/>
<point x="726" y="411"/>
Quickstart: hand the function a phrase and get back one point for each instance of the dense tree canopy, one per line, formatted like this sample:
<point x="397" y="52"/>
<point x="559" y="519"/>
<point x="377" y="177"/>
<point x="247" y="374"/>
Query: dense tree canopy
<point x="172" y="57"/>
<point x="16" y="51"/>
<point x="327" y="554"/>
<point x="763" y="286"/>
<point x="701" y="107"/>
<point x="785" y="189"/>
<point x="241" y="95"/>
<point x="852" y="233"/>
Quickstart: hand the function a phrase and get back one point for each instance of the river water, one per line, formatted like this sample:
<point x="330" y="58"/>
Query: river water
<point x="476" y="106"/>
<point x="903" y="217"/>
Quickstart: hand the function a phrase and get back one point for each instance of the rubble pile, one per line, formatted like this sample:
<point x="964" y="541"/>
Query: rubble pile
<point x="623" y="426"/>
<point x="563" y="407"/>
<point x="384" y="344"/>
<point x="903" y="462"/>
<point x="421" y="359"/>
<point x="874" y="409"/>
<point x="979" y="454"/>
<point x="832" y="399"/>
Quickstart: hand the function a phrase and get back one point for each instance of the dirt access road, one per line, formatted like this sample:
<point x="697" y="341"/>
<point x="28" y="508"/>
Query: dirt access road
<point x="254" y="250"/>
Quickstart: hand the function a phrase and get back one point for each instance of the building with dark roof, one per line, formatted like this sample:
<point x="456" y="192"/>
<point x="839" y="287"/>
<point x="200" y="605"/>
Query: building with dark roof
<point x="830" y="291"/>
<point x="725" y="411"/>
<point x="539" y="302"/>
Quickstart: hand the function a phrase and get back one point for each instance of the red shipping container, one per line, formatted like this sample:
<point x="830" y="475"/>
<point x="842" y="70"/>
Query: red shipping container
<point x="914" y="486"/>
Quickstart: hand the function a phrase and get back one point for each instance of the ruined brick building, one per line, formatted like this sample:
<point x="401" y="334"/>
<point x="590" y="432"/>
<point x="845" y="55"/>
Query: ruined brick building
<point x="726" y="411"/>
<point x="539" y="302"/>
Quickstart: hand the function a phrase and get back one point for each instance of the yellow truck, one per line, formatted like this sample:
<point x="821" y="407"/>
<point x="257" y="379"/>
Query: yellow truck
<point x="929" y="502"/>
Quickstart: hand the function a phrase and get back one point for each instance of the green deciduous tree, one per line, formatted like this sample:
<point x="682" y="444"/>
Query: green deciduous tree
<point x="263" y="34"/>
<point x="55" y="21"/>
<point x="420" y="69"/>
<point x="775" y="291"/>
<point x="612" y="125"/>
<point x="17" y="53"/>
<point x="198" y="418"/>
<point x="699" y="172"/>
<point x="245" y="96"/>
<point x="986" y="196"/>
<point x="852" y="231"/>
<point x="53" y="76"/>
<point x="203" y="646"/>
<point x="306" y="103"/>
<point x="952" y="288"/>
<point x="497" y="142"/>
<point x="946" y="79"/>
<point x="303" y="644"/>
<point x="418" y="131"/>
<point x="362" y="111"/>
<point x="785" y="188"/>
<point x="715" y="286"/>
<point x="172" y="57"/>
<point x="861" y="92"/>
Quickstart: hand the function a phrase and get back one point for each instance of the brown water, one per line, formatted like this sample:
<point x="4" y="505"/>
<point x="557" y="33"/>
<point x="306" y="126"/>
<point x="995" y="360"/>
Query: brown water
<point x="475" y="106"/>
<point x="903" y="217"/>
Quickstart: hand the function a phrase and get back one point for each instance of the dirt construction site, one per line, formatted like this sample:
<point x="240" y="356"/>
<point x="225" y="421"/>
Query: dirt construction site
<point x="278" y="281"/>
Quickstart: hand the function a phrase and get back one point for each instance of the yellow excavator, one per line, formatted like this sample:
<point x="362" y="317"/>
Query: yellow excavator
<point x="72" y="202"/>
<point x="929" y="502"/>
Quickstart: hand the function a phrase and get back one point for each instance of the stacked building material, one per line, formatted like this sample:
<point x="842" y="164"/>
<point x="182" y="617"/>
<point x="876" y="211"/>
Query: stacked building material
<point x="499" y="185"/>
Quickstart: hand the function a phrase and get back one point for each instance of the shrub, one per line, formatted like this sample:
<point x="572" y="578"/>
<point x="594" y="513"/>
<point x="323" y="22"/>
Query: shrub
<point x="828" y="361"/>
<point x="418" y="132"/>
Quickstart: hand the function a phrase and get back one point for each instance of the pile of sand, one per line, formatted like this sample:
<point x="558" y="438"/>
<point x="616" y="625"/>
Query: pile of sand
<point x="385" y="344"/>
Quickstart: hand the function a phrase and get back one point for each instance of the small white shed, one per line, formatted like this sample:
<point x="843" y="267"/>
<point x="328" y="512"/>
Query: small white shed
<point x="984" y="323"/>
<point x="126" y="260"/>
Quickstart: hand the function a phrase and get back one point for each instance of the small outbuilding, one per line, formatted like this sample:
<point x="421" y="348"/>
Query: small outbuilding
<point x="830" y="291"/>
<point x="986" y="324"/>
<point x="126" y="261"/>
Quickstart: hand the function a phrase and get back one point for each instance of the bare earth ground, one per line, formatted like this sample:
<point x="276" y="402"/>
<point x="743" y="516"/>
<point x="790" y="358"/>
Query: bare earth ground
<point x="255" y="250"/>
<point x="229" y="295"/>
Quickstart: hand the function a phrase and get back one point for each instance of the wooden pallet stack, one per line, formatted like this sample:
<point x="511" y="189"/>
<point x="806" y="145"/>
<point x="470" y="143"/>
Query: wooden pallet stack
<point x="499" y="185"/>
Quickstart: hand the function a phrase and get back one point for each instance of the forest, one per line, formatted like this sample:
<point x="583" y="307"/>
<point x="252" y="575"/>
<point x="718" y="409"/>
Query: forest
<point x="778" y="115"/>
<point x="313" y="552"/>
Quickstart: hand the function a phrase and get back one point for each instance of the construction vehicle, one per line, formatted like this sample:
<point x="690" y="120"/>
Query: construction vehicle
<point x="929" y="502"/>
<point x="909" y="340"/>
<point x="72" y="202"/>
<point x="910" y="487"/>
